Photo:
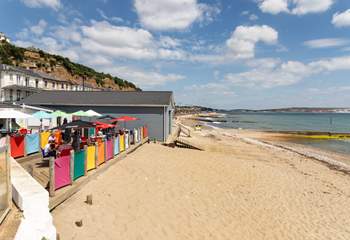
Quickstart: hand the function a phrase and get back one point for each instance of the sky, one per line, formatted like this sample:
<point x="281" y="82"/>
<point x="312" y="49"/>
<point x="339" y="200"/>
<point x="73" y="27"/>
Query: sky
<point x="228" y="54"/>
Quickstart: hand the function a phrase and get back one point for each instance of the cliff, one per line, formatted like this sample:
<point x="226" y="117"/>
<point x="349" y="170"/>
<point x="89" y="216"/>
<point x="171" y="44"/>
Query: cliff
<point x="60" y="67"/>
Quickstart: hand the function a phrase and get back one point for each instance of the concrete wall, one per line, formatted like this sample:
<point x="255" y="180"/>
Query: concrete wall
<point x="33" y="200"/>
<point x="153" y="117"/>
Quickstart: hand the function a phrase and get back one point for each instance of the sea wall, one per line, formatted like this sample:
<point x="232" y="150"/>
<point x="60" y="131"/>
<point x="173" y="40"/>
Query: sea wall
<point x="31" y="198"/>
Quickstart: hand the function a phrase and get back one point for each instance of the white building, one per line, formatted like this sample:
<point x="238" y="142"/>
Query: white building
<point x="4" y="38"/>
<point x="17" y="83"/>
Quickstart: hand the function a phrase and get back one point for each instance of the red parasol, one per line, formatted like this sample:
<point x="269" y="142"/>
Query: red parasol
<point x="124" y="119"/>
<point x="102" y="125"/>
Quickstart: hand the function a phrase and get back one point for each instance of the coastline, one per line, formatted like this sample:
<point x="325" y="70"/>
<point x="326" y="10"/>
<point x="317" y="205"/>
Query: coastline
<point x="288" y="140"/>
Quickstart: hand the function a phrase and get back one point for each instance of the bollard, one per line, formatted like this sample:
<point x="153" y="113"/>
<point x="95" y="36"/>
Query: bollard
<point x="89" y="199"/>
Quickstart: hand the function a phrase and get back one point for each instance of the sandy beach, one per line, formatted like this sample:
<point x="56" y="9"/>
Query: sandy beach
<point x="231" y="190"/>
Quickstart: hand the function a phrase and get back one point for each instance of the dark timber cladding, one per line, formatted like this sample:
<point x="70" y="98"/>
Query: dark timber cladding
<point x="153" y="108"/>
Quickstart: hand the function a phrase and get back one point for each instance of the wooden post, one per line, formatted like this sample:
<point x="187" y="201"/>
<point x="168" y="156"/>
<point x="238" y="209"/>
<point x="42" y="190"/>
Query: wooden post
<point x="129" y="139"/>
<point x="105" y="149"/>
<point x="8" y="169"/>
<point x="96" y="155"/>
<point x="39" y="142"/>
<point x="85" y="160"/>
<point x="113" y="144"/>
<point x="25" y="144"/>
<point x="52" y="176"/>
<point x="72" y="166"/>
<point x="89" y="199"/>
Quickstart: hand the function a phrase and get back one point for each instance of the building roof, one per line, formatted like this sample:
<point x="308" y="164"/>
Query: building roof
<point x="100" y="98"/>
<point x="4" y="67"/>
<point x="50" y="77"/>
<point x="24" y="88"/>
<point x="8" y="105"/>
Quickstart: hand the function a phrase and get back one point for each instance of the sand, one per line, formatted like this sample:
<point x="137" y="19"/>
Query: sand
<point x="232" y="190"/>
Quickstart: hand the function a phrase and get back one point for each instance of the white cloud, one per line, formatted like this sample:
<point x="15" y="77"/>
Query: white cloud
<point x="326" y="43"/>
<point x="168" y="42"/>
<point x="211" y="88"/>
<point x="331" y="64"/>
<point x="133" y="43"/>
<point x="341" y="19"/>
<point x="145" y="79"/>
<point x="113" y="19"/>
<point x="39" y="28"/>
<point x="284" y="74"/>
<point x="297" y="7"/>
<point x="273" y="6"/>
<point x="172" y="14"/>
<point x="118" y="41"/>
<point x="68" y="33"/>
<point x="311" y="6"/>
<point x="244" y="39"/>
<point x="253" y="17"/>
<point x="277" y="73"/>
<point x="54" y="4"/>
<point x="329" y="90"/>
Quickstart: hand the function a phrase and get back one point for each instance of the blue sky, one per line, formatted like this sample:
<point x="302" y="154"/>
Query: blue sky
<point x="220" y="53"/>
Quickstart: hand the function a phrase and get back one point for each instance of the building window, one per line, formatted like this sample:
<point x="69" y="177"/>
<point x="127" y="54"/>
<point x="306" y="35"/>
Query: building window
<point x="11" y="95"/>
<point x="11" y="77"/>
<point x="62" y="86"/>
<point x="27" y="81"/>
<point x="53" y="85"/>
<point x="18" y="80"/>
<point x="18" y="95"/>
<point x="45" y="84"/>
<point x="27" y="93"/>
<point x="37" y="83"/>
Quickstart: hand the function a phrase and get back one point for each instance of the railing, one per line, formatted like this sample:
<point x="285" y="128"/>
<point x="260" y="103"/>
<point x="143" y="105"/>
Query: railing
<point x="185" y="130"/>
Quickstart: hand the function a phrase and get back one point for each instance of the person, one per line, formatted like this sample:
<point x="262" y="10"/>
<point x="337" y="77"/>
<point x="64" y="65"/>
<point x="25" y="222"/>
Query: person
<point x="76" y="141"/>
<point x="52" y="138"/>
<point x="49" y="150"/>
<point x="65" y="121"/>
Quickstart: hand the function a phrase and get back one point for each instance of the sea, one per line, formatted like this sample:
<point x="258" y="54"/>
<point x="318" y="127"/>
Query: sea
<point x="315" y="122"/>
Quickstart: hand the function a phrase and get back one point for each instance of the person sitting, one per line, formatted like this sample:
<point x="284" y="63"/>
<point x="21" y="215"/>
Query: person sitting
<point x="52" y="137"/>
<point x="50" y="150"/>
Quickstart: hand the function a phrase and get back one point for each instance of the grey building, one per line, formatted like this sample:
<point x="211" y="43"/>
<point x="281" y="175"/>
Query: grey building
<point x="154" y="108"/>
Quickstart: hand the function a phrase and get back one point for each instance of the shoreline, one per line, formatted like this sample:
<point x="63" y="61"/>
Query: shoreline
<point x="332" y="159"/>
<point x="206" y="118"/>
